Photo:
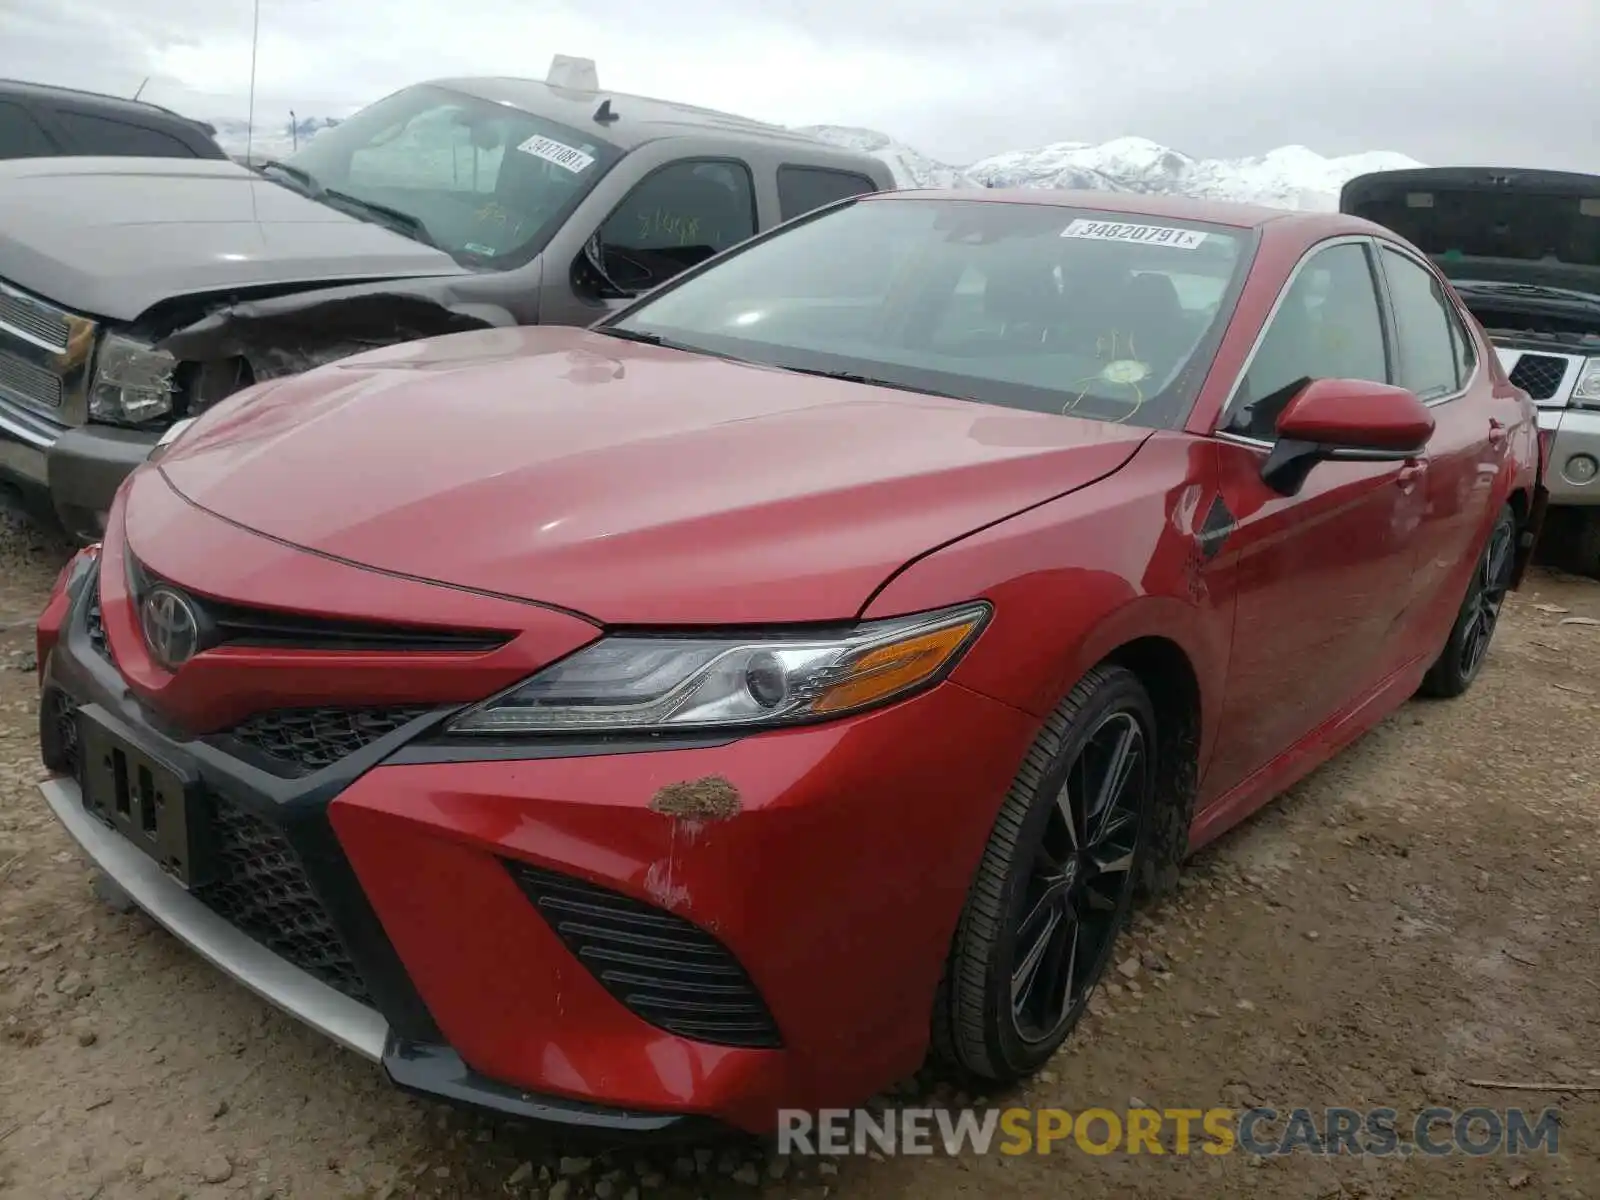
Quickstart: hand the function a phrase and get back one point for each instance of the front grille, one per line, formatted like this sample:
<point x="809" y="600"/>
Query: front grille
<point x="258" y="884"/>
<point x="227" y="624"/>
<point x="260" y="887"/>
<point x="20" y="314"/>
<point x="29" y="384"/>
<point x="299" y="741"/>
<point x="663" y="969"/>
<point x="1539" y="375"/>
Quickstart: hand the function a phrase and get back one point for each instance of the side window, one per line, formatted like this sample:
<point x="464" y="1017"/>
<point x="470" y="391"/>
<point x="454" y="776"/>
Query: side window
<point x="1466" y="348"/>
<point x="1329" y="326"/>
<point x="1429" y="349"/>
<point x="21" y="136"/>
<point x="801" y="189"/>
<point x="674" y="218"/>
<point x="102" y="135"/>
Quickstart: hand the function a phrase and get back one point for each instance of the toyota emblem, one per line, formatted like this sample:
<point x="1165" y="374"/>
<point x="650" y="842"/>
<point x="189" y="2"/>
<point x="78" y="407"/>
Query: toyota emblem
<point x="171" y="627"/>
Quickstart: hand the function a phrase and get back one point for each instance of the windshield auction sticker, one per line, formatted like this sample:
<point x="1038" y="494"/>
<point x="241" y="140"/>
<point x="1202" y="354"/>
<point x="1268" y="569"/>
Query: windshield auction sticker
<point x="562" y="155"/>
<point x="1143" y="235"/>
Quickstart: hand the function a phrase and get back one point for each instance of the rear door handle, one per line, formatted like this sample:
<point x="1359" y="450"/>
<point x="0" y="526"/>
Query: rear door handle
<point x="1497" y="431"/>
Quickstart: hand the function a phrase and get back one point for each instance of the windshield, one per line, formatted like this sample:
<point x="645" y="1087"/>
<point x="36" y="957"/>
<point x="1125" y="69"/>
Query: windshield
<point x="1040" y="307"/>
<point x="487" y="184"/>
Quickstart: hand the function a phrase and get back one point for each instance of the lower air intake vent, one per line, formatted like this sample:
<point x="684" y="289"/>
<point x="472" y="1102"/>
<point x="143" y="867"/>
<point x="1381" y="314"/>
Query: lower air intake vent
<point x="58" y="732"/>
<point x="1539" y="375"/>
<point x="262" y="890"/>
<point x="663" y="969"/>
<point x="298" y="741"/>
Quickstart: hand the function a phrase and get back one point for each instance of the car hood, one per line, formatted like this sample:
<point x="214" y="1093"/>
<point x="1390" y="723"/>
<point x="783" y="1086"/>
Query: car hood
<point x="112" y="236"/>
<point x="631" y="483"/>
<point x="1490" y="224"/>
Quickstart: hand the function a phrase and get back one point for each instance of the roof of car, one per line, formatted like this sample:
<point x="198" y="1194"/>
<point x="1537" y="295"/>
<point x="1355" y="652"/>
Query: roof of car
<point x="1217" y="212"/>
<point x="640" y="119"/>
<point x="50" y="91"/>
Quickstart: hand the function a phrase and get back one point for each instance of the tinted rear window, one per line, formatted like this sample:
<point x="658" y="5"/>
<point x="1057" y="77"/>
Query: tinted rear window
<point x="93" y="135"/>
<point x="801" y="189"/>
<point x="21" y="136"/>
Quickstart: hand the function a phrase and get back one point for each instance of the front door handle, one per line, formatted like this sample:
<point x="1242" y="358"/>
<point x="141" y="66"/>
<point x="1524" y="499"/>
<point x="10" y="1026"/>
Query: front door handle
<point x="1497" y="432"/>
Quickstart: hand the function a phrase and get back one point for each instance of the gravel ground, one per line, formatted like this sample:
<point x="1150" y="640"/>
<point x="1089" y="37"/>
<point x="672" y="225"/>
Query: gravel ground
<point x="1418" y="916"/>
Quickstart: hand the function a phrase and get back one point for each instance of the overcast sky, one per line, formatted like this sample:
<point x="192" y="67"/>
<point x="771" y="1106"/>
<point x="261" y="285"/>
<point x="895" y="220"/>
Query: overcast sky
<point x="1501" y="82"/>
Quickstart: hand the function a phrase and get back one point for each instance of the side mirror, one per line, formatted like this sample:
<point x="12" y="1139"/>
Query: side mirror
<point x="1345" y="420"/>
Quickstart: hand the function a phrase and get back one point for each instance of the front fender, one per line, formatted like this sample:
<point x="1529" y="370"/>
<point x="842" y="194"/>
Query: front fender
<point x="1077" y="578"/>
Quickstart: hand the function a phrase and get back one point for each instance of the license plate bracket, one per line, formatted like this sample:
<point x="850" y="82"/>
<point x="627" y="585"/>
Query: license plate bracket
<point x="154" y="803"/>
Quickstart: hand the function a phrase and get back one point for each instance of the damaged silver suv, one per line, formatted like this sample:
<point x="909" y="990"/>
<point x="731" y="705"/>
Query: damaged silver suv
<point x="135" y="292"/>
<point x="1523" y="250"/>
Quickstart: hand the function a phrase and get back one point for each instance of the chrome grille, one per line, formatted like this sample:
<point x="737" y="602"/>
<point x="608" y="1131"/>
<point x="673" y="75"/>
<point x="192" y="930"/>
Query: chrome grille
<point x="29" y="384"/>
<point x="33" y="319"/>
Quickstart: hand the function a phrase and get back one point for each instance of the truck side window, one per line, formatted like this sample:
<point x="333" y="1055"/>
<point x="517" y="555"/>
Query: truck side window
<point x="676" y="217"/>
<point x="801" y="189"/>
<point x="103" y="135"/>
<point x="21" y="136"/>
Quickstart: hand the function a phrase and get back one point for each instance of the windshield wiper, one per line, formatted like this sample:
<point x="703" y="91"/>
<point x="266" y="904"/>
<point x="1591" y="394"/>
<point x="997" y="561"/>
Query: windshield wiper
<point x="870" y="380"/>
<point x="632" y="335"/>
<point x="409" y="225"/>
<point x="307" y="183"/>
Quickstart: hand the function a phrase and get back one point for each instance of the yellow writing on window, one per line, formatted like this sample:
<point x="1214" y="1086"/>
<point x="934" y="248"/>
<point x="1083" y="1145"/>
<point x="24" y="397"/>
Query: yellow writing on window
<point x="659" y="226"/>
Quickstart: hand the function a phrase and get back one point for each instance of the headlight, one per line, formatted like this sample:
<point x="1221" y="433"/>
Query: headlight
<point x="132" y="383"/>
<point x="1587" y="393"/>
<point x="646" y="683"/>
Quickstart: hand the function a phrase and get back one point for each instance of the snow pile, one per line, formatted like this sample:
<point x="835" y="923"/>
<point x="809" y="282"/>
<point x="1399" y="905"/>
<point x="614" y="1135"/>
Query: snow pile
<point x="1289" y="177"/>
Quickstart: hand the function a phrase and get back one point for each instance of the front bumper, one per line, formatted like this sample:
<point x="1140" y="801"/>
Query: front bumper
<point x="70" y="474"/>
<point x="1576" y="437"/>
<point x="422" y="930"/>
<point x="354" y="1026"/>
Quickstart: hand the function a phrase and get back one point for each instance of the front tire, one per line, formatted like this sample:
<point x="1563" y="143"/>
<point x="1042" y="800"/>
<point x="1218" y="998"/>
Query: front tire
<point x="1458" y="664"/>
<point x="1055" y="885"/>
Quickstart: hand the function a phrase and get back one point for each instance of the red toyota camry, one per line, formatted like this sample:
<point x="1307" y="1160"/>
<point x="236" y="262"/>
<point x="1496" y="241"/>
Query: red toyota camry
<point x="716" y="709"/>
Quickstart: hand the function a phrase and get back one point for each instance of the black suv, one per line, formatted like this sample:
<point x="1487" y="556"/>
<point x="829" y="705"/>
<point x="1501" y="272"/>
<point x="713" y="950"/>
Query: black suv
<point x="40" y="121"/>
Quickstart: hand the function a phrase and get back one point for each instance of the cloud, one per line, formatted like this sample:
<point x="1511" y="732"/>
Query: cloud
<point x="1489" y="81"/>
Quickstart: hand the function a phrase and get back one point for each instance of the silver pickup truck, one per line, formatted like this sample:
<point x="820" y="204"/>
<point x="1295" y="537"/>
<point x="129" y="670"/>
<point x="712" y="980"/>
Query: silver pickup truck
<point x="135" y="292"/>
<point x="1523" y="250"/>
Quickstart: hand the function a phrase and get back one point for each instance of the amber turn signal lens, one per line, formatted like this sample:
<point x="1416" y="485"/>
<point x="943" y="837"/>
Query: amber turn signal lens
<point x="887" y="670"/>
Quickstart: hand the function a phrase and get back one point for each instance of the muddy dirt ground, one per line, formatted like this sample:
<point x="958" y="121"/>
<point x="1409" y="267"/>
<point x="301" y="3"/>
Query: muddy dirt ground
<point x="1416" y="919"/>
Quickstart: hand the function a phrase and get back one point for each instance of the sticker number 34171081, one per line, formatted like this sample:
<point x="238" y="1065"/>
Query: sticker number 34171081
<point x="562" y="155"/>
<point x="1144" y="235"/>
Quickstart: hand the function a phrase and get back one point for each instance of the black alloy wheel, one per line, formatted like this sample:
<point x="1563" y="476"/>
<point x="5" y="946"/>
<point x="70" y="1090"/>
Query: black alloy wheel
<point x="1082" y="876"/>
<point x="1055" y="885"/>
<point x="1464" y="653"/>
